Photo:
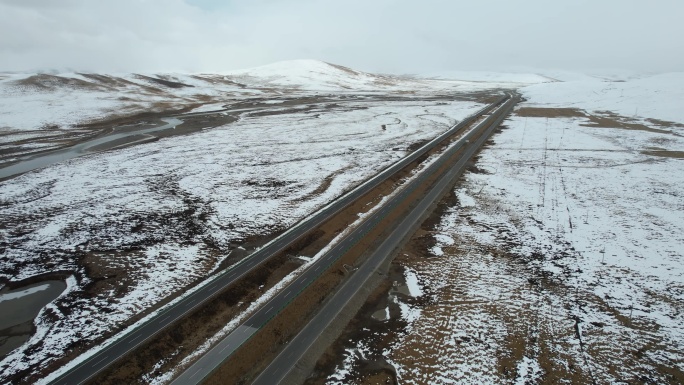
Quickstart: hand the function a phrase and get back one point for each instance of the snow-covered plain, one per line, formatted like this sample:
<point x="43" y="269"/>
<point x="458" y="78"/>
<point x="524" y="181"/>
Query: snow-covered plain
<point x="163" y="215"/>
<point x="30" y="103"/>
<point x="520" y="79"/>
<point x="562" y="260"/>
<point x="41" y="112"/>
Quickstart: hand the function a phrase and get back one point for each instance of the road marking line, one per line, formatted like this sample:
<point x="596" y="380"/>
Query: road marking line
<point x="269" y="309"/>
<point x="165" y="318"/>
<point x="196" y="371"/>
<point x="131" y="341"/>
<point x="93" y="365"/>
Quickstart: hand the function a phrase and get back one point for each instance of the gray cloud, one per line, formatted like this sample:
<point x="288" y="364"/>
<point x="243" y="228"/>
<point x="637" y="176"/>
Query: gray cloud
<point x="380" y="35"/>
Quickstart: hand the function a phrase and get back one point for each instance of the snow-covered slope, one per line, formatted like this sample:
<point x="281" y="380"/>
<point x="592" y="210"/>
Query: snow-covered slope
<point x="312" y="74"/>
<point x="34" y="101"/>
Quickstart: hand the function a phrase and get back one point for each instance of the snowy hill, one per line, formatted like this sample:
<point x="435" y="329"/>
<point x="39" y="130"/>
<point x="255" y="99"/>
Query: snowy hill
<point x="312" y="74"/>
<point x="323" y="76"/>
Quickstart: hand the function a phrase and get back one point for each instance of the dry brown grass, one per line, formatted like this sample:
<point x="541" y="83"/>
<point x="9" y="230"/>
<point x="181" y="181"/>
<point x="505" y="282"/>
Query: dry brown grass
<point x="601" y="119"/>
<point x="52" y="82"/>
<point x="343" y="68"/>
<point x="665" y="154"/>
<point x="664" y="123"/>
<point x="539" y="112"/>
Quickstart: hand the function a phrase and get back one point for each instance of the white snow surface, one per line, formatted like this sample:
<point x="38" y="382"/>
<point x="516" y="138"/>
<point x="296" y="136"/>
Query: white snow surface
<point x="65" y="100"/>
<point x="412" y="283"/>
<point x="22" y="293"/>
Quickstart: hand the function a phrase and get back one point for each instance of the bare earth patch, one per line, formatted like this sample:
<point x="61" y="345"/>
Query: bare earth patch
<point x="539" y="112"/>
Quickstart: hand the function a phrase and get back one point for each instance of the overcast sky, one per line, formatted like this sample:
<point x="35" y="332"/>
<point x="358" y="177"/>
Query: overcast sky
<point x="399" y="36"/>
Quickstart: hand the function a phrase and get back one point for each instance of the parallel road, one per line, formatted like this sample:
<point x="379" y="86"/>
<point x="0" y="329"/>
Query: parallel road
<point x="101" y="360"/>
<point x="283" y="364"/>
<point x="209" y="362"/>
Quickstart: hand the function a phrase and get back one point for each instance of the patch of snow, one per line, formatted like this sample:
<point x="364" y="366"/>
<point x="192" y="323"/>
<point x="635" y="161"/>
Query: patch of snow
<point x="528" y="372"/>
<point x="412" y="282"/>
<point x="444" y="239"/>
<point x="22" y="293"/>
<point x="208" y="107"/>
<point x="464" y="199"/>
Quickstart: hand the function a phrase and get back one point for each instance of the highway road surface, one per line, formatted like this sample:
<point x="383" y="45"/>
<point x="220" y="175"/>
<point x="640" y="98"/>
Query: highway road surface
<point x="106" y="356"/>
<point x="281" y="366"/>
<point x="209" y="362"/>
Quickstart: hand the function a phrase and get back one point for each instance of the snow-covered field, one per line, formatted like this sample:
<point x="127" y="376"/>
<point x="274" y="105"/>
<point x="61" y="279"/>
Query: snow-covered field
<point x="520" y="79"/>
<point x="50" y="102"/>
<point x="163" y="215"/>
<point x="41" y="112"/>
<point x="562" y="260"/>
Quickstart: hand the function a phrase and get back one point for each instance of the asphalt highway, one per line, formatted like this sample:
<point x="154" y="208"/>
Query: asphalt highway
<point x="97" y="362"/>
<point x="209" y="362"/>
<point x="281" y="366"/>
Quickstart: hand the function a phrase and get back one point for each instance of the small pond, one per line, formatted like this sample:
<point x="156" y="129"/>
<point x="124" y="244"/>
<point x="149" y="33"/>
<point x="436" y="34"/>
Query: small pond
<point x="19" y="307"/>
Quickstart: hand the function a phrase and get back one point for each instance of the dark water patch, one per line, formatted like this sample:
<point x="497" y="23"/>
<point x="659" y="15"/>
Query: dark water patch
<point x="94" y="145"/>
<point x="20" y="306"/>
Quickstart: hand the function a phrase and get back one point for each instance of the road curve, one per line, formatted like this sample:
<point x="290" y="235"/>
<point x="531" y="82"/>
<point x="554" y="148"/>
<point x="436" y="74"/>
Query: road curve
<point x="211" y="360"/>
<point x="106" y="356"/>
